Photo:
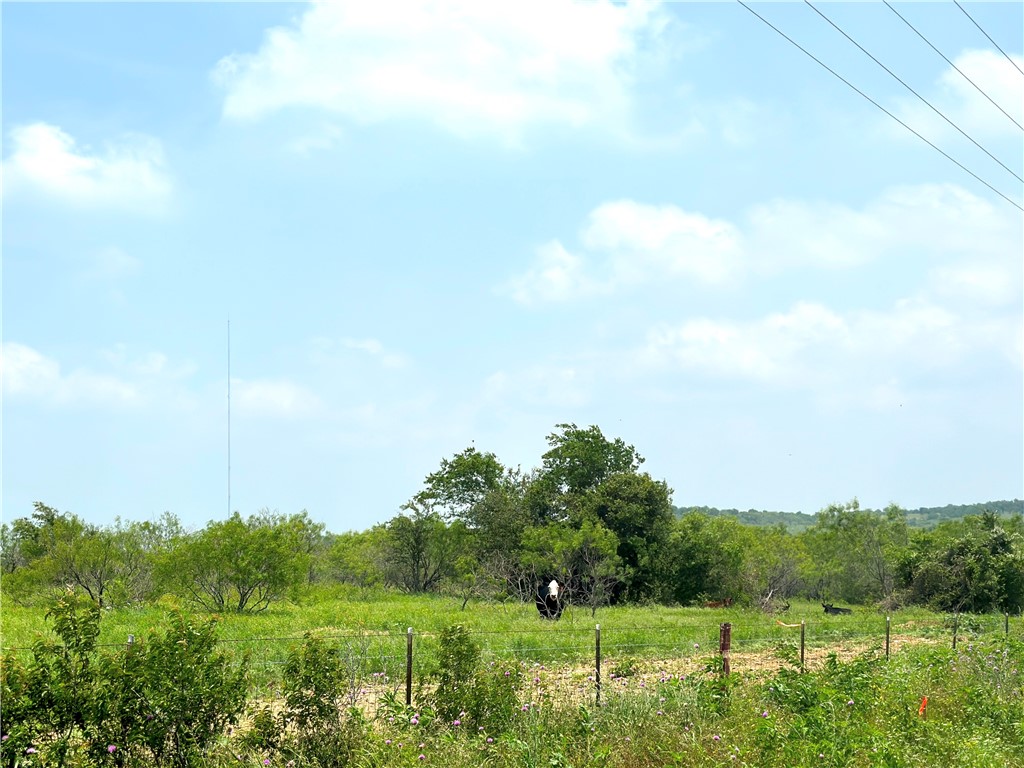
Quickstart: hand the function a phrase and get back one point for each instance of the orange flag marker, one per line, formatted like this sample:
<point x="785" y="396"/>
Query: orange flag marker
<point x="924" y="703"/>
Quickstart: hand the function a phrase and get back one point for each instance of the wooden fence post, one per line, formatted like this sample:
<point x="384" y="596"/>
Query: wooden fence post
<point x="803" y="633"/>
<point x="597" y="665"/>
<point x="886" y="637"/>
<point x="724" y="645"/>
<point x="408" y="668"/>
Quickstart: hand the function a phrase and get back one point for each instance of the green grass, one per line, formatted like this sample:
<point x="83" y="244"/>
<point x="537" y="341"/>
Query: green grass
<point x="662" y="702"/>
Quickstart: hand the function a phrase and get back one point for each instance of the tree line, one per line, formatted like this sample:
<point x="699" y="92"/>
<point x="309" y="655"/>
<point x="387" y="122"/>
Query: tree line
<point x="478" y="529"/>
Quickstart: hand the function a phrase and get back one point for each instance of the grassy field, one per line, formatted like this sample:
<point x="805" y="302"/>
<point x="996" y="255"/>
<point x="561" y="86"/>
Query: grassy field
<point x="662" y="700"/>
<point x="514" y="630"/>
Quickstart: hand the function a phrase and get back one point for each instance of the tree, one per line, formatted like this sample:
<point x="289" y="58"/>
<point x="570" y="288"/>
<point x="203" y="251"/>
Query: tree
<point x="854" y="551"/>
<point x="422" y="551"/>
<point x="578" y="461"/>
<point x="706" y="557"/>
<point x="238" y="565"/>
<point x="973" y="565"/>
<point x="461" y="483"/>
<point x="584" y="560"/>
<point x="638" y="510"/>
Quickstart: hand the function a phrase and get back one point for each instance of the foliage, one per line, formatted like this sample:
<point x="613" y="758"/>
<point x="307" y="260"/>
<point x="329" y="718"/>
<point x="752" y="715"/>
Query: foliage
<point x="318" y="724"/>
<point x="161" y="702"/>
<point x="239" y="565"/>
<point x="421" y="551"/>
<point x="468" y="695"/>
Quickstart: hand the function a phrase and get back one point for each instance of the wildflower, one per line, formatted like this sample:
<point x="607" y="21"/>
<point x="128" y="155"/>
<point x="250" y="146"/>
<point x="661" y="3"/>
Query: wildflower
<point x="266" y="761"/>
<point x="31" y="751"/>
<point x="490" y="740"/>
<point x="414" y="720"/>
<point x="422" y="757"/>
<point x="765" y="713"/>
<point x="696" y="646"/>
<point x="111" y="748"/>
<point x="387" y="742"/>
<point x="456" y="723"/>
<point x="849" y="703"/>
<point x="628" y="739"/>
<point x="716" y="737"/>
<point x="290" y="764"/>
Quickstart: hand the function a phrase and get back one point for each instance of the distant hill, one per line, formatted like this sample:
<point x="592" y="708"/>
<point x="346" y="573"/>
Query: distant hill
<point x="925" y="517"/>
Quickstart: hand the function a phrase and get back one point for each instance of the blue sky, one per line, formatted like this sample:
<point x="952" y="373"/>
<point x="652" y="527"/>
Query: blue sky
<point x="442" y="224"/>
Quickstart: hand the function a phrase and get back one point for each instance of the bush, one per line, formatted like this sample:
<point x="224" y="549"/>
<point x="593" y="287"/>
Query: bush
<point x="160" y="702"/>
<point x="467" y="692"/>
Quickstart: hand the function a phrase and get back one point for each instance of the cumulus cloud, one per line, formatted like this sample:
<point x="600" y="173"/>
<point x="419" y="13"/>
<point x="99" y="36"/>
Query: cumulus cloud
<point x="29" y="374"/>
<point x="626" y="243"/>
<point x="812" y="347"/>
<point x="471" y="68"/>
<point x="46" y="161"/>
<point x="964" y="105"/>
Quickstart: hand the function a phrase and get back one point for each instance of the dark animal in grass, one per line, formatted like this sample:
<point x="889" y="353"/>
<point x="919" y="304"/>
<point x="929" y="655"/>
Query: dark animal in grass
<point x="549" y="600"/>
<point x="833" y="611"/>
<point x="719" y="603"/>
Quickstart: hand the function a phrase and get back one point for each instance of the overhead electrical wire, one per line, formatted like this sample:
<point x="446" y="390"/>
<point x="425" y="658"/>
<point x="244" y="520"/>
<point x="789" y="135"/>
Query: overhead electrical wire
<point x="890" y="114"/>
<point x="954" y="66"/>
<point x="989" y="37"/>
<point x="922" y="98"/>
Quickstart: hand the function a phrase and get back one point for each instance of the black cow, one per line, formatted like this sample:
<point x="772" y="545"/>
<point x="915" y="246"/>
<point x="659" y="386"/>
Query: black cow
<point x="549" y="600"/>
<point x="833" y="611"/>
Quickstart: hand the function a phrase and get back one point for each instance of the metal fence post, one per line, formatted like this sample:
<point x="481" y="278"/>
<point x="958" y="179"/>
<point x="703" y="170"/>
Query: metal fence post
<point x="886" y="637"/>
<point x="956" y="625"/>
<point x="1006" y="623"/>
<point x="724" y="645"/>
<point x="597" y="665"/>
<point x="131" y="641"/>
<point x="803" y="634"/>
<point x="408" y="668"/>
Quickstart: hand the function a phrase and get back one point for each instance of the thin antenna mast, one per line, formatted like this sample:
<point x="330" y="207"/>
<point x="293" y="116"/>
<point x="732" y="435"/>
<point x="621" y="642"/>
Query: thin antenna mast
<point x="229" y="417"/>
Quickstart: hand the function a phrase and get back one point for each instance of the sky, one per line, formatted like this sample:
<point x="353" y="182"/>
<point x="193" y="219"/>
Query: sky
<point x="292" y="256"/>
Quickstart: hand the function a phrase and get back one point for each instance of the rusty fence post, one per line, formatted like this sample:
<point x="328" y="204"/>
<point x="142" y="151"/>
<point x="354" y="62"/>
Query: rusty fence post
<point x="724" y="645"/>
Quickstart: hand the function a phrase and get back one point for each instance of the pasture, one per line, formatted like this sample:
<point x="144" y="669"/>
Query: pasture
<point x="662" y="698"/>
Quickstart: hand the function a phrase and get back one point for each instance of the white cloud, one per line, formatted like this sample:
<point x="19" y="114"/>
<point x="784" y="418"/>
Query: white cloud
<point x="273" y="397"/>
<point x="627" y="243"/>
<point x="811" y="347"/>
<point x="964" y="105"/>
<point x="471" y="68"/>
<point x="47" y="161"/>
<point x="29" y="374"/>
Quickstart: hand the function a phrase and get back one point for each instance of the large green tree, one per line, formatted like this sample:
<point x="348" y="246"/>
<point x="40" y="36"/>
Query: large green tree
<point x="638" y="510"/>
<point x="577" y="461"/>
<point x="238" y="564"/>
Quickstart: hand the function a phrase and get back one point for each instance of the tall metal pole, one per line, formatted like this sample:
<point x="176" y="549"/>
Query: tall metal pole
<point x="229" y="417"/>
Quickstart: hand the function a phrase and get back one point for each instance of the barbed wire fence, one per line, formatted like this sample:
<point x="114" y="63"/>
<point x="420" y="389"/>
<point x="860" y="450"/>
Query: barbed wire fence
<point x="593" y="664"/>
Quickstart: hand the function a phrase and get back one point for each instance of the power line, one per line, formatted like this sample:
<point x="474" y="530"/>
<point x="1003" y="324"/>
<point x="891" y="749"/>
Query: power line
<point x="922" y="98"/>
<point x="989" y="38"/>
<point x="890" y="114"/>
<point x="954" y="66"/>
